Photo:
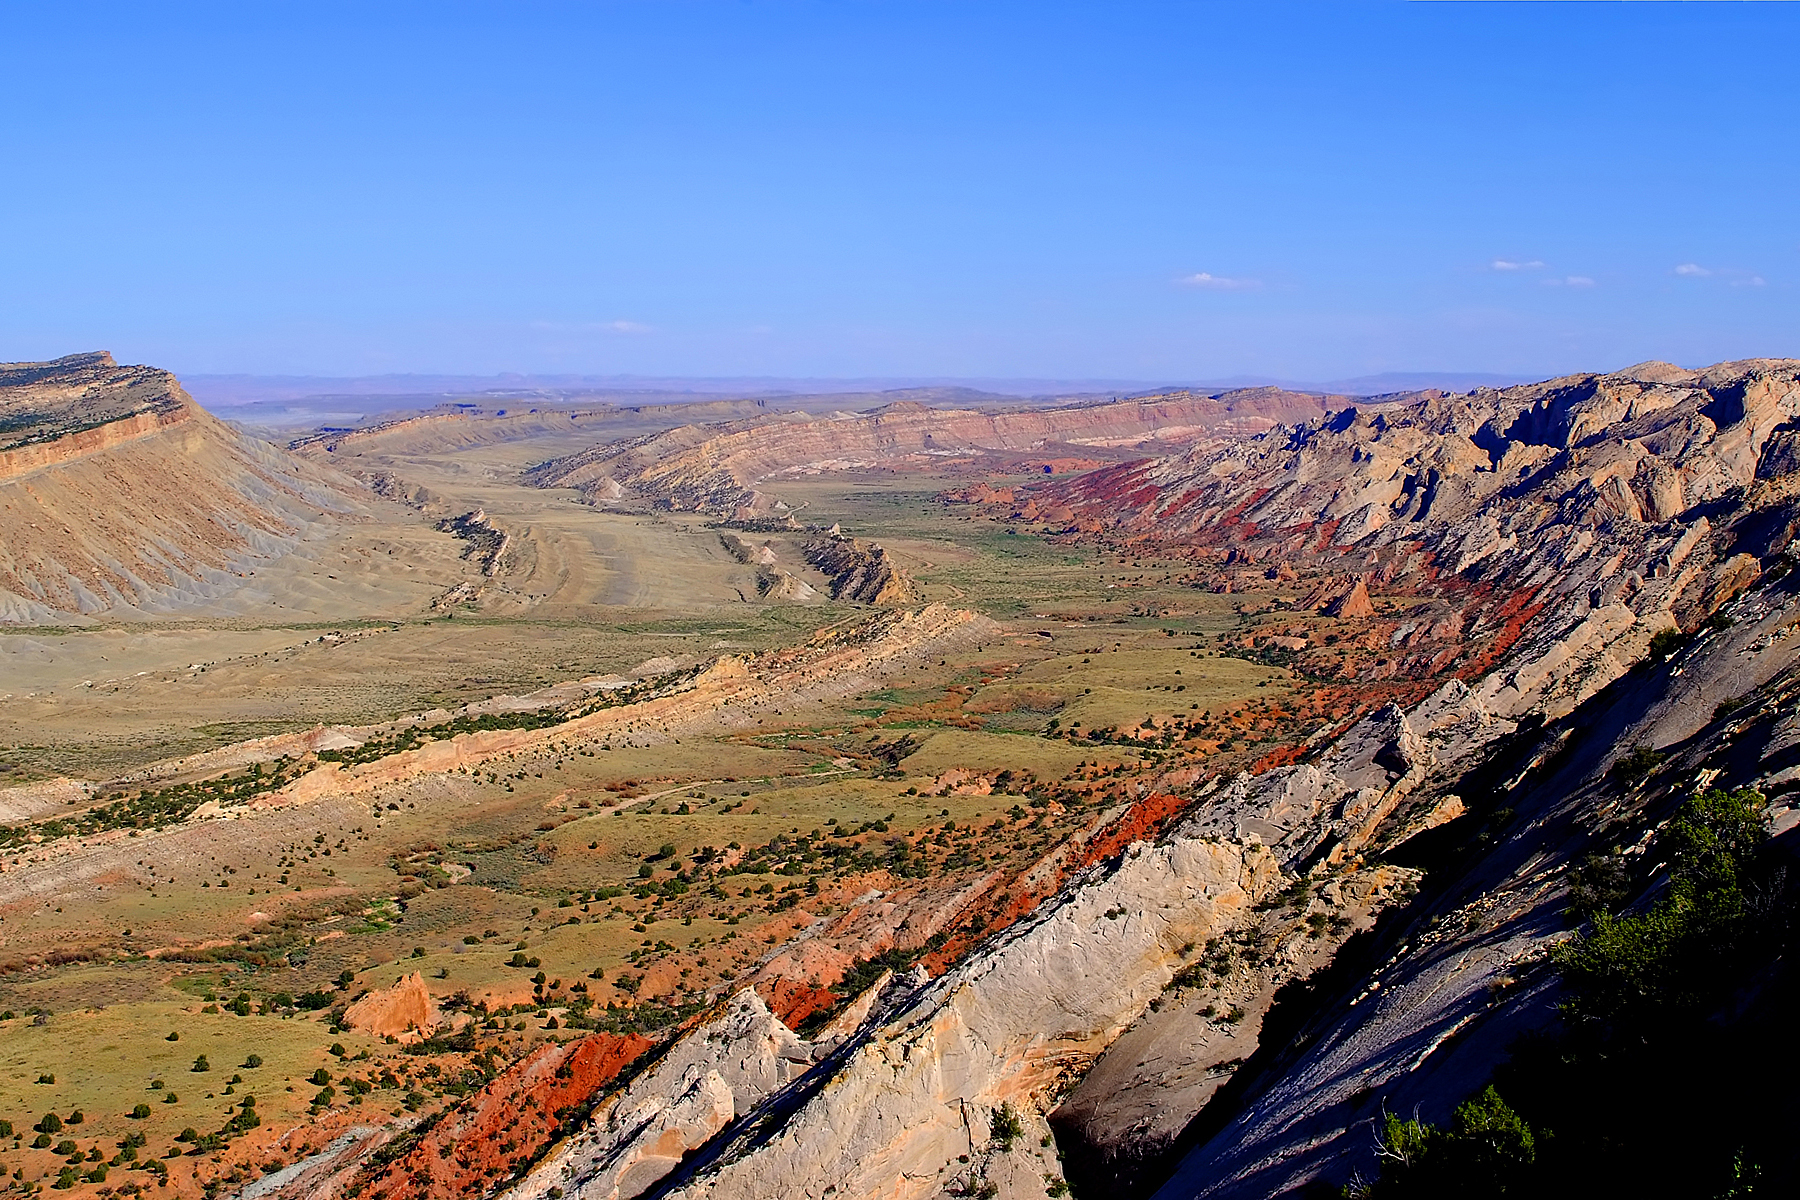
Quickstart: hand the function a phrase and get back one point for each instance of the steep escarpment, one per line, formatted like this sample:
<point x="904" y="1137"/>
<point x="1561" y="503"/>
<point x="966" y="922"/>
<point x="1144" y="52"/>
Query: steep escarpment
<point x="1562" y="822"/>
<point x="1535" y="582"/>
<point x="860" y="570"/>
<point x="1554" y="528"/>
<point x="735" y="467"/>
<point x="117" y="492"/>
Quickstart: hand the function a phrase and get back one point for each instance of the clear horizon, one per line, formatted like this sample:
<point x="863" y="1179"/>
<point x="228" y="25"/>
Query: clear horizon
<point x="806" y="191"/>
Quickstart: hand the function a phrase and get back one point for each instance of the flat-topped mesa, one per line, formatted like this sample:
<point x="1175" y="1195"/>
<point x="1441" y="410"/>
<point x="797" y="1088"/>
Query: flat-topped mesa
<point x="726" y="468"/>
<point x="118" y="492"/>
<point x="56" y="411"/>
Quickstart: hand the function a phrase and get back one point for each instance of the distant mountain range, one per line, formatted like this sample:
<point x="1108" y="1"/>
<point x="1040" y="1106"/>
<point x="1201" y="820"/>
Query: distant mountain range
<point x="306" y="400"/>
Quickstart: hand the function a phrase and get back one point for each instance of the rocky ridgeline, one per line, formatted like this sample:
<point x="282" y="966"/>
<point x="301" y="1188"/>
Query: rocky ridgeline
<point x="1555" y="527"/>
<point x="1523" y="547"/>
<point x="118" y="492"/>
<point x="912" y="1095"/>
<point x="730" y="467"/>
<point x="773" y="582"/>
<point x="859" y="570"/>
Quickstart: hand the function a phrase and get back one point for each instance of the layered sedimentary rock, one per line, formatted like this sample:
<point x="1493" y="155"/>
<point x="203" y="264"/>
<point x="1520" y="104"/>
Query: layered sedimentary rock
<point x="1519" y="570"/>
<point x="1450" y="992"/>
<point x="735" y="467"/>
<point x="118" y="492"/>
<point x="773" y="582"/>
<point x="719" y="1071"/>
<point x="1009" y="1027"/>
<point x="1555" y="527"/>
<point x="860" y="570"/>
<point x="405" y="1008"/>
<point x="501" y="1127"/>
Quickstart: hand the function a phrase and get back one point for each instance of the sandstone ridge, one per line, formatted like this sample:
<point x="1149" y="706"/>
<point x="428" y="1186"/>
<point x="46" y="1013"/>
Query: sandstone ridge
<point x="1555" y="527"/>
<point x="727" y="468"/>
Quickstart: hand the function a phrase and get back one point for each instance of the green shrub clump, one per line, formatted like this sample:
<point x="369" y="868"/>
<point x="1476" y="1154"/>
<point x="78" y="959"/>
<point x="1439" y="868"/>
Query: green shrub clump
<point x="1696" y="972"/>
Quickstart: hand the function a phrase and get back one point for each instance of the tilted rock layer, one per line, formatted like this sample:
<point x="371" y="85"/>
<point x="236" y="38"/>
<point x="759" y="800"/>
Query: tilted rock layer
<point x="721" y="468"/>
<point x="118" y="492"/>
<point x="1555" y="527"/>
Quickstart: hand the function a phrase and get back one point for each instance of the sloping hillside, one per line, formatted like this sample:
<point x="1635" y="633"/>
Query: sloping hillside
<point x="1551" y="529"/>
<point x="728" y="467"/>
<point x="1584" y="582"/>
<point x="117" y="492"/>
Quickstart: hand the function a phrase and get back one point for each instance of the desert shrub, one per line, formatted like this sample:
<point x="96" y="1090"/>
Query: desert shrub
<point x="1488" y="1150"/>
<point x="1600" y="883"/>
<point x="1675" y="979"/>
<point x="1633" y="768"/>
<point x="1637" y="969"/>
<point x="1004" y="1127"/>
<point x="1666" y="643"/>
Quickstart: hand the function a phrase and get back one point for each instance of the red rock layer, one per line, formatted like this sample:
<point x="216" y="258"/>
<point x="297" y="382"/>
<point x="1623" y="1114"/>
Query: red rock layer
<point x="507" y="1124"/>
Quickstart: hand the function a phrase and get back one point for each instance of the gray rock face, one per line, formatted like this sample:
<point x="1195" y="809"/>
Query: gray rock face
<point x="716" y="1072"/>
<point x="1466" y="977"/>
<point x="1325" y="809"/>
<point x="1008" y="1026"/>
<point x="1549" y="530"/>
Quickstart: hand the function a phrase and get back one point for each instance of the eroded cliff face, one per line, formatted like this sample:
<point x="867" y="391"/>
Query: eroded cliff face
<point x="1447" y="993"/>
<point x="117" y="492"/>
<point x="1514" y="572"/>
<point x="735" y="467"/>
<point x="906" y="1107"/>
<point x="717" y="1072"/>
<point x="860" y="570"/>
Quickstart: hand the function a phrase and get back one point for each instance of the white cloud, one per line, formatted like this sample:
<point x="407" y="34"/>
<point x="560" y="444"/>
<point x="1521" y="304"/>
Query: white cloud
<point x="1574" y="281"/>
<point x="1506" y="264"/>
<point x="1218" y="283"/>
<point x="1752" y="281"/>
<point x="627" y="327"/>
<point x="1692" y="269"/>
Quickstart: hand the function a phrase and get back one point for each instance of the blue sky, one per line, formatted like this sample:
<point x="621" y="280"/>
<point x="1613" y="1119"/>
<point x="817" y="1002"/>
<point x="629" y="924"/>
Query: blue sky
<point x="1137" y="191"/>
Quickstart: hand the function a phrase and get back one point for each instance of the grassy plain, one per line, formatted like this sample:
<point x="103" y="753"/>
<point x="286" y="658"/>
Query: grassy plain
<point x="507" y="893"/>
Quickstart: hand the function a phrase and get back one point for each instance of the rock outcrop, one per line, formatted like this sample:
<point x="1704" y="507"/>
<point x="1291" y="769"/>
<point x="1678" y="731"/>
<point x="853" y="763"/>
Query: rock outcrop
<point x="506" y="1124"/>
<point x="728" y="468"/>
<point x="1009" y="1027"/>
<point x="860" y="571"/>
<point x="1450" y="991"/>
<point x="1535" y="538"/>
<point x="713" y="1074"/>
<point x="406" y="1009"/>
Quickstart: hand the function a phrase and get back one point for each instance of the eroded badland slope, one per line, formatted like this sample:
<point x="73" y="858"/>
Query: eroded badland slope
<point x="1168" y="828"/>
<point x="736" y="467"/>
<point x="118" y="493"/>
